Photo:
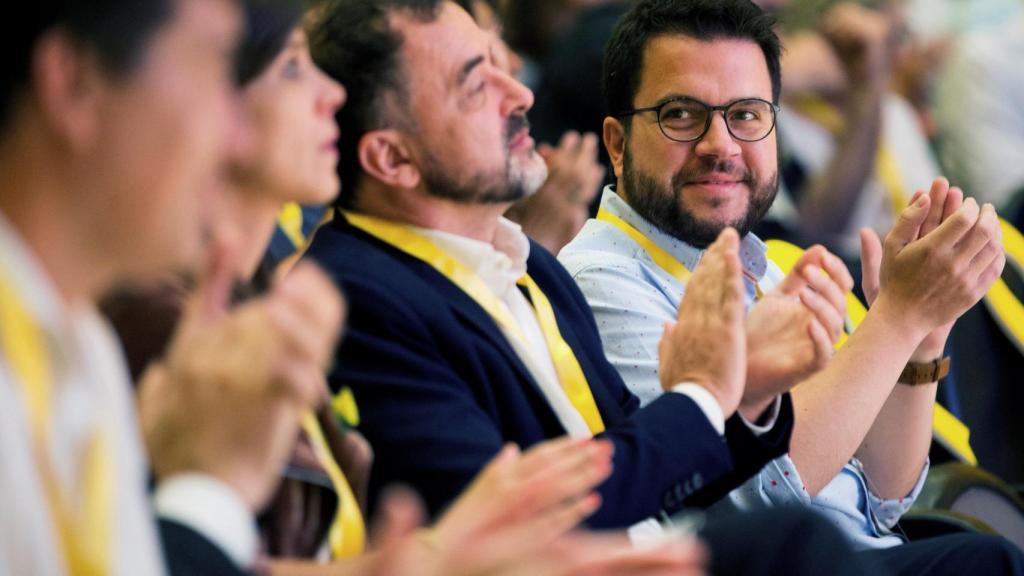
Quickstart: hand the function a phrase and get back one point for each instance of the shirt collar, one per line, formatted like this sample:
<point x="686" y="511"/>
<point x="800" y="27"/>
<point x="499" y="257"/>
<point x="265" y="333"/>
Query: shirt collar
<point x="33" y="284"/>
<point x="753" y="252"/>
<point x="500" y="264"/>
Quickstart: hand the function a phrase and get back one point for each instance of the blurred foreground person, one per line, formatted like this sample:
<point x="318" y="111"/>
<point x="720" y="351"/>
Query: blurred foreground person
<point x="117" y="121"/>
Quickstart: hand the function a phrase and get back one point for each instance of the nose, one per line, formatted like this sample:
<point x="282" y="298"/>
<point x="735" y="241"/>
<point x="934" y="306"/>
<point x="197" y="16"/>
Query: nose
<point x="717" y="142"/>
<point x="517" y="97"/>
<point x="332" y="96"/>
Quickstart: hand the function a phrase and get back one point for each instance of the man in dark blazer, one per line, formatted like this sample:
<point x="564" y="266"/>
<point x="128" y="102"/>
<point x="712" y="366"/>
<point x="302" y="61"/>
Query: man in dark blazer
<point x="448" y="358"/>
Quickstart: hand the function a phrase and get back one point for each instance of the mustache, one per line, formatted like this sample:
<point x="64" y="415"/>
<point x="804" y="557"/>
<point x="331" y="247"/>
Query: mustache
<point x="516" y="122"/>
<point x="706" y="166"/>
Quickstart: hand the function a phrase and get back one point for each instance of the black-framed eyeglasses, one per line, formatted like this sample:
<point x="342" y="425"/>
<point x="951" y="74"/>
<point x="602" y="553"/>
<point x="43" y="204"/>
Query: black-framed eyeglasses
<point x="687" y="120"/>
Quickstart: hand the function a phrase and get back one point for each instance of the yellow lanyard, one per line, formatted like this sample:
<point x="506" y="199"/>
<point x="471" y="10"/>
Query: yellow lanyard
<point x="289" y="219"/>
<point x="886" y="166"/>
<point x="570" y="374"/>
<point x="661" y="257"/>
<point x="84" y="527"/>
<point x="347" y="535"/>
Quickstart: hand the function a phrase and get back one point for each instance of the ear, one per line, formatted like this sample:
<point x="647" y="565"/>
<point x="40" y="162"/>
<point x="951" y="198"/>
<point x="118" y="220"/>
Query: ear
<point x="385" y="156"/>
<point x="614" y="136"/>
<point x="68" y="83"/>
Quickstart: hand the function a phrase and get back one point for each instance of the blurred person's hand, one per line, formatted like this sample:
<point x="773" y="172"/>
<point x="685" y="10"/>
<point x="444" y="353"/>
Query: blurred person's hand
<point x="707" y="345"/>
<point x="227" y="399"/>
<point x="864" y="40"/>
<point x="793" y="329"/>
<point x="543" y="493"/>
<point x="513" y="551"/>
<point x="555" y="213"/>
<point x="938" y="260"/>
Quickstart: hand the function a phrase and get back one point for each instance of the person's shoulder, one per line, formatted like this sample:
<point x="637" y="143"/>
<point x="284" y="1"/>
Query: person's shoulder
<point x="600" y="246"/>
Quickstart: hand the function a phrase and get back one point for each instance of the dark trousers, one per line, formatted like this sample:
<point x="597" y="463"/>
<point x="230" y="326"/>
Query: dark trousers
<point x="955" y="554"/>
<point x="789" y="541"/>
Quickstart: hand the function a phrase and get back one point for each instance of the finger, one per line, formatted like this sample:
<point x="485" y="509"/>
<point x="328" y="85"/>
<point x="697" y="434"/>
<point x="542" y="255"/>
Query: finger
<point x="958" y="225"/>
<point x="587" y="150"/>
<point x="313" y="295"/>
<point x="908" y="225"/>
<point x="546" y="151"/>
<point x="795" y="281"/>
<point x="989" y="275"/>
<point x="984" y="231"/>
<point x="301" y="382"/>
<point x="569" y="144"/>
<point x="954" y="201"/>
<point x="826" y="288"/>
<point x="870" y="263"/>
<point x="824" y="345"/>
<point x="838" y="272"/>
<point x="938" y="193"/>
<point x="825" y="313"/>
<point x="982" y="266"/>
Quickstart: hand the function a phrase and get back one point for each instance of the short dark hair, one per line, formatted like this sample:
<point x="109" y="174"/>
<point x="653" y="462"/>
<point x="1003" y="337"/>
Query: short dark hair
<point x="117" y="30"/>
<point x="352" y="42"/>
<point x="269" y="23"/>
<point x="700" y="19"/>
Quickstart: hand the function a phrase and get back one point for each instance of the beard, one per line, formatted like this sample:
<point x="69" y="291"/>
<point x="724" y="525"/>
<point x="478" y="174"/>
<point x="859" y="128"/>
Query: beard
<point x="519" y="178"/>
<point x="666" y="209"/>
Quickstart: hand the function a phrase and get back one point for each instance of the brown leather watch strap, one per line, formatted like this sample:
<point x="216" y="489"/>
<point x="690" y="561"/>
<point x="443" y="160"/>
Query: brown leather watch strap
<point x="924" y="372"/>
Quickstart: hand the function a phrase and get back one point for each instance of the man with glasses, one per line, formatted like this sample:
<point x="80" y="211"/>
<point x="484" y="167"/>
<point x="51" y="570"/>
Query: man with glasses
<point x="691" y="86"/>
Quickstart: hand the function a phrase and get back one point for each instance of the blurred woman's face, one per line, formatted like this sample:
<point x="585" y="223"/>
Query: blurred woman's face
<point x="289" y="111"/>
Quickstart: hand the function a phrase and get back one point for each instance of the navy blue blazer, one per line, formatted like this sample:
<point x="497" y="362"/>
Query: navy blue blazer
<point x="188" y="553"/>
<point x="440" y="389"/>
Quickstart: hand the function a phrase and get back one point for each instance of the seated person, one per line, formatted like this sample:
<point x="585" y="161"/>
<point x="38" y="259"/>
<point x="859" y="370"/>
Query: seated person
<point x="289" y="106"/>
<point x="447" y="357"/>
<point x="859" y="450"/>
<point x="116" y="125"/>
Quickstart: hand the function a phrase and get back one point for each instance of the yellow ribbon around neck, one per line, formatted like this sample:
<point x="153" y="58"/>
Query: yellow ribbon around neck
<point x="347" y="535"/>
<point x="83" y="525"/>
<point x="661" y="257"/>
<point x="570" y="374"/>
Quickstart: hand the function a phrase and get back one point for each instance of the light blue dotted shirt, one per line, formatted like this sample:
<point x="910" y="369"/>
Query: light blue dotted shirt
<point x="632" y="298"/>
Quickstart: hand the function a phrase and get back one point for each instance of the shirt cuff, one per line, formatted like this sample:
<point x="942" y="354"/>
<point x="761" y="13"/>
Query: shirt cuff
<point x="211" y="508"/>
<point x="707" y="403"/>
<point x="773" y="416"/>
<point x="888" y="512"/>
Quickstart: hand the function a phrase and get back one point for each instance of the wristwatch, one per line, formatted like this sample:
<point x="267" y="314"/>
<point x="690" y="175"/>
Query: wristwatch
<point x="924" y="372"/>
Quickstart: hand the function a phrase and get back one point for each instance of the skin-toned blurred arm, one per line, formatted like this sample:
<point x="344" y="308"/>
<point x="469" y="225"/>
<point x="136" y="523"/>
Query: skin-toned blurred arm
<point x="862" y="43"/>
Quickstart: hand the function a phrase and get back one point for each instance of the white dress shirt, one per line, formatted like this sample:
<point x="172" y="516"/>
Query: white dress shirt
<point x="500" y="264"/>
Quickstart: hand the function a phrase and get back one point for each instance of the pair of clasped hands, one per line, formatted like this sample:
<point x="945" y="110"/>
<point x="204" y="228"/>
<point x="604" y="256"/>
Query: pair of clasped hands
<point x="939" y="259"/>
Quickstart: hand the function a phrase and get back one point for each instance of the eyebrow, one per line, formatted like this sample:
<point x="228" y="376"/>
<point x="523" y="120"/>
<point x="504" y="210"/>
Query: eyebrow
<point x="467" y="68"/>
<point x="677" y="96"/>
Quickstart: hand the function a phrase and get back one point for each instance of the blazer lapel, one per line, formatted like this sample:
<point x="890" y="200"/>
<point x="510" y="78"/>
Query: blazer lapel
<point x="461" y="304"/>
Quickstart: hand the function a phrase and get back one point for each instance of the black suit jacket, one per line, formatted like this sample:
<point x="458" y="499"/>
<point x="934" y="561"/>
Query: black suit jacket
<point x="440" y="389"/>
<point x="190" y="554"/>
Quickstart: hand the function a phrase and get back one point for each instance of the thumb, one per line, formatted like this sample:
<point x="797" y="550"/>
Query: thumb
<point x="908" y="226"/>
<point x="870" y="263"/>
